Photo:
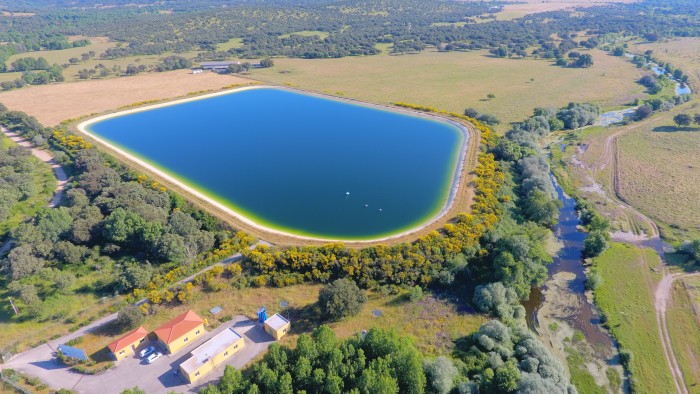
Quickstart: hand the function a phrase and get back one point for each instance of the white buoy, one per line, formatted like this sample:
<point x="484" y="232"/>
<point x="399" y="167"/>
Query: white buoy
<point x="366" y="205"/>
<point x="380" y="209"/>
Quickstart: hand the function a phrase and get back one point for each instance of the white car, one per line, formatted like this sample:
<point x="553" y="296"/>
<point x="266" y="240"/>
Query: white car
<point x="153" y="357"/>
<point x="147" y="351"/>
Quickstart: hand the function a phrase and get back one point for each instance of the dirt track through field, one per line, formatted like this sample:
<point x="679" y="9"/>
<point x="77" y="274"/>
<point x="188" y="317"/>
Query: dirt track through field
<point x="662" y="293"/>
<point x="47" y="158"/>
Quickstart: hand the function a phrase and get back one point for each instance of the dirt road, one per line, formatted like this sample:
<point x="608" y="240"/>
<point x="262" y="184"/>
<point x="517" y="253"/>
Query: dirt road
<point x="661" y="297"/>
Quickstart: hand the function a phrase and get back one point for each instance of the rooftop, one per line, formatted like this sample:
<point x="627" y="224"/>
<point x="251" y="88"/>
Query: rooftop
<point x="217" y="64"/>
<point x="276" y="321"/>
<point x="178" y="327"/>
<point x="127" y="339"/>
<point x="210" y="348"/>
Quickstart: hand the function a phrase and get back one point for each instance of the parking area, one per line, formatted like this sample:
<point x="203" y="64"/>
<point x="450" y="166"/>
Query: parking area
<point x="158" y="377"/>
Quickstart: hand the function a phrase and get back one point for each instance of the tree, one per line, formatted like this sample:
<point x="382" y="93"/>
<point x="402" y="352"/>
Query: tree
<point x="22" y="262"/>
<point x="134" y="276"/>
<point x="440" y="374"/>
<point x="695" y="250"/>
<point x="489" y="119"/>
<point x="471" y="112"/>
<point x="683" y="120"/>
<point x="490" y="96"/>
<point x="584" y="61"/>
<point x="129" y="318"/>
<point x="643" y="112"/>
<point x="595" y="243"/>
<point x="341" y="298"/>
<point x="696" y="119"/>
<point x="267" y="63"/>
<point x="133" y="390"/>
<point x="377" y="379"/>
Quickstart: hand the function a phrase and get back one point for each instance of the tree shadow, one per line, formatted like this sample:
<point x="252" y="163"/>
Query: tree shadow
<point x="674" y="129"/>
<point x="398" y="300"/>
<point x="305" y="319"/>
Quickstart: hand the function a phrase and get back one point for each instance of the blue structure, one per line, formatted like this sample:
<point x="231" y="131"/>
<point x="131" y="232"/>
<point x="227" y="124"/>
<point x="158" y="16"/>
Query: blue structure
<point x="73" y="352"/>
<point x="262" y="315"/>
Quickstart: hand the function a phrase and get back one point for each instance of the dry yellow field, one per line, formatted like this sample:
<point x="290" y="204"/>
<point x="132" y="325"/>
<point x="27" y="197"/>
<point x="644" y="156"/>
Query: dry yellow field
<point x="455" y="81"/>
<point x="52" y="104"/>
<point x="514" y="11"/>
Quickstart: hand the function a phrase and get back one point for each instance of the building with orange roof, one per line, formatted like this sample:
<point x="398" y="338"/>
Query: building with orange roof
<point x="177" y="333"/>
<point x="127" y="344"/>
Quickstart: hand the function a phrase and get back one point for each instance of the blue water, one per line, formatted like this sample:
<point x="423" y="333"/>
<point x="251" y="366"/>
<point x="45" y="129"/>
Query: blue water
<point x="288" y="160"/>
<point x="680" y="89"/>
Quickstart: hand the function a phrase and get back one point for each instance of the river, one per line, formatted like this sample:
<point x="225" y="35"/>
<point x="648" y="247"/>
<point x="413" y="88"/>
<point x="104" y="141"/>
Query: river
<point x="585" y="318"/>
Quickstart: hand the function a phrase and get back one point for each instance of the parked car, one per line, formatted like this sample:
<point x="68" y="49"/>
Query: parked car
<point x="153" y="357"/>
<point x="147" y="351"/>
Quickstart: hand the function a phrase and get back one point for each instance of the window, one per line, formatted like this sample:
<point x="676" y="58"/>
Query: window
<point x="196" y="333"/>
<point x="285" y="330"/>
<point x="196" y="374"/>
<point x="235" y="347"/>
<point x="186" y="339"/>
<point x="226" y="354"/>
<point x="122" y="352"/>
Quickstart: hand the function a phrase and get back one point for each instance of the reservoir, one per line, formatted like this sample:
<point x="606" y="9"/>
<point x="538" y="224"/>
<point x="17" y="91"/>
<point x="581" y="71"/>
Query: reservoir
<point x="298" y="163"/>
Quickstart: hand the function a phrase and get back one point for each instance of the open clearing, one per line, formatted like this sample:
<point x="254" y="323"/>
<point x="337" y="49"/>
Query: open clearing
<point x="629" y="307"/>
<point x="458" y="80"/>
<point x="52" y="104"/>
<point x="659" y="164"/>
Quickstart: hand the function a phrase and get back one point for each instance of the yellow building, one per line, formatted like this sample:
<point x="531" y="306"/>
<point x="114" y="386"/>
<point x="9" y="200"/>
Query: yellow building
<point x="211" y="354"/>
<point x="127" y="344"/>
<point x="277" y="326"/>
<point x="177" y="333"/>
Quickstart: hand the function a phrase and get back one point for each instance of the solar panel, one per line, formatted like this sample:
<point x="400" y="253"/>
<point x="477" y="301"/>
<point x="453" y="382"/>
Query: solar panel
<point x="73" y="352"/>
<point x="215" y="310"/>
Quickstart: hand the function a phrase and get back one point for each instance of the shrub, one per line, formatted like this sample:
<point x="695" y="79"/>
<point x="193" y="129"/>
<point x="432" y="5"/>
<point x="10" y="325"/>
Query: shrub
<point x="593" y="280"/>
<point x="415" y="294"/>
<point x="626" y="358"/>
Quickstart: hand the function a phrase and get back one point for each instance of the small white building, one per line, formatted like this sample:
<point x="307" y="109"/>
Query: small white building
<point x="277" y="326"/>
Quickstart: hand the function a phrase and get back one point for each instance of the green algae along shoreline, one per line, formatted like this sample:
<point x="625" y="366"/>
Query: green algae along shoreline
<point x="453" y="183"/>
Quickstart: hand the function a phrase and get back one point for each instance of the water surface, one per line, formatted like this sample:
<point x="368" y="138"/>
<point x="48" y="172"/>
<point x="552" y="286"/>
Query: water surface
<point x="300" y="163"/>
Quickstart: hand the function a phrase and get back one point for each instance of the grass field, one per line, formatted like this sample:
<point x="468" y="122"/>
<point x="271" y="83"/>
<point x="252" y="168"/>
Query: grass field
<point x="230" y="44"/>
<point x="660" y="173"/>
<point x="455" y="81"/>
<point x="99" y="45"/>
<point x="681" y="52"/>
<point x="684" y="329"/>
<point x="625" y="297"/>
<point x="52" y="104"/>
<point x="45" y="183"/>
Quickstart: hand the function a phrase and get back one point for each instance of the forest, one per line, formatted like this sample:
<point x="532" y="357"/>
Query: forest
<point x="354" y="27"/>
